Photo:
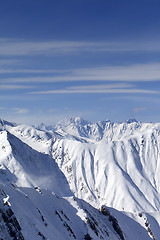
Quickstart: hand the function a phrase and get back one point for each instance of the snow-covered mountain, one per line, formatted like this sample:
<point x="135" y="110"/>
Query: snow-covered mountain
<point x="80" y="180"/>
<point x="84" y="131"/>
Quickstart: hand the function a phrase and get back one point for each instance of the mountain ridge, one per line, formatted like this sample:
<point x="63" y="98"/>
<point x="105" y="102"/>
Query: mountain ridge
<point x="66" y="170"/>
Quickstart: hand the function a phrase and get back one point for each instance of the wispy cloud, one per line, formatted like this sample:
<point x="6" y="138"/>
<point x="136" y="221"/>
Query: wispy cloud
<point x="129" y="73"/>
<point x="4" y="62"/>
<point x="20" y="110"/>
<point x="134" y="72"/>
<point x="19" y="47"/>
<point x="139" y="109"/>
<point x="26" y="71"/>
<point x="13" y="87"/>
<point x="101" y="86"/>
<point x="32" y="71"/>
<point x="108" y="88"/>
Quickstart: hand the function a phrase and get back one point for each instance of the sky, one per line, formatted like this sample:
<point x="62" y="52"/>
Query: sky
<point x="94" y="59"/>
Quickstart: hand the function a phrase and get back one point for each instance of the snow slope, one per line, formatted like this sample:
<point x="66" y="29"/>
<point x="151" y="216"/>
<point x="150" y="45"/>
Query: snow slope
<point x="54" y="180"/>
<point x="120" y="170"/>
<point x="36" y="202"/>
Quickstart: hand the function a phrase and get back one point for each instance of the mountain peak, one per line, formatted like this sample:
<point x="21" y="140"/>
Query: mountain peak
<point x="73" y="120"/>
<point x="3" y="123"/>
<point x="79" y="121"/>
<point x="131" y="120"/>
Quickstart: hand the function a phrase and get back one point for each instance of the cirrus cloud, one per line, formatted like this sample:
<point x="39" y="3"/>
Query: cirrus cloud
<point x="139" y="109"/>
<point x="129" y="73"/>
<point x="20" y="110"/>
<point x="94" y="89"/>
<point x="20" y="47"/>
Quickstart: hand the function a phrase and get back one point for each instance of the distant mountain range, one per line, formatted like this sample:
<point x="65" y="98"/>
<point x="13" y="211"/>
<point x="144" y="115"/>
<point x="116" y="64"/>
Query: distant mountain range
<point x="80" y="180"/>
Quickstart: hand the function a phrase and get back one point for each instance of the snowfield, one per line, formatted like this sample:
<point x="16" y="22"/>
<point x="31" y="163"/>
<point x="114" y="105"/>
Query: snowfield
<point x="80" y="180"/>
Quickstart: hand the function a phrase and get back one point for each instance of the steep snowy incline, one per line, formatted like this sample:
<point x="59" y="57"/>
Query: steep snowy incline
<point x="28" y="214"/>
<point x="120" y="174"/>
<point x="36" y="202"/>
<point x="37" y="139"/>
<point x="25" y="167"/>
<point x="119" y="169"/>
<point x="28" y="211"/>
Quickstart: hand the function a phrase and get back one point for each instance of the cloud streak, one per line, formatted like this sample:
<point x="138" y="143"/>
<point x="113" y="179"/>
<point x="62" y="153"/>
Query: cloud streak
<point x="129" y="73"/>
<point x="20" y="110"/>
<point x="13" y="87"/>
<point x="139" y="109"/>
<point x="19" y="47"/>
<point x="98" y="89"/>
<point x="9" y="70"/>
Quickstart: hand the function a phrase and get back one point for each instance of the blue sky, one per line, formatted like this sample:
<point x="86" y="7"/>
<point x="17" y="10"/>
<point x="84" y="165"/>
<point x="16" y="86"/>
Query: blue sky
<point x="95" y="59"/>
